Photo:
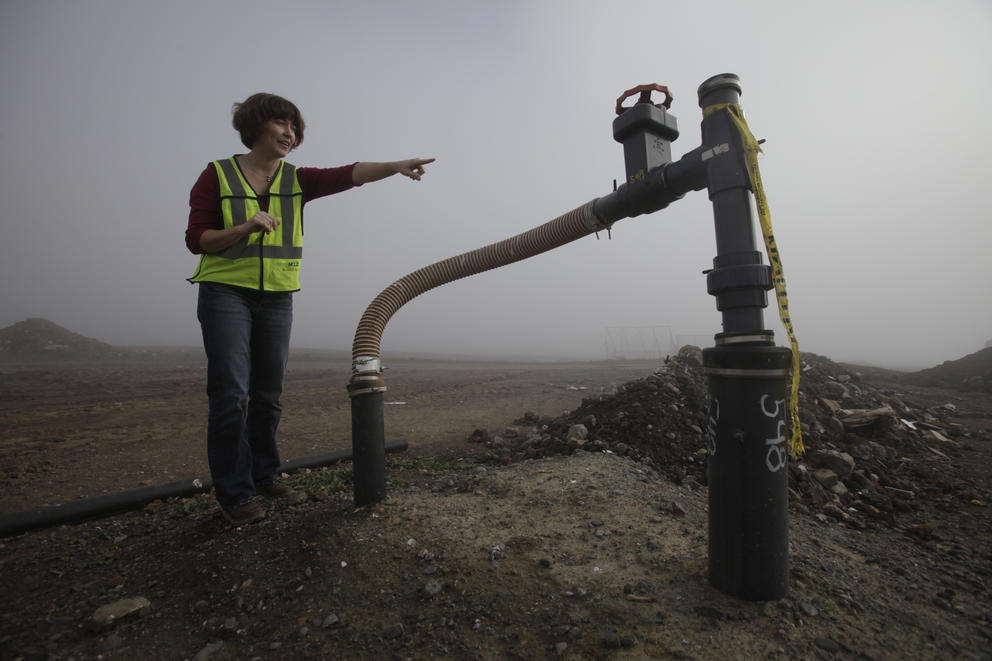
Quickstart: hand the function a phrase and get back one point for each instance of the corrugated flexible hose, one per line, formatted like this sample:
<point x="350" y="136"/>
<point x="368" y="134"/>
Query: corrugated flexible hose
<point x="564" y="229"/>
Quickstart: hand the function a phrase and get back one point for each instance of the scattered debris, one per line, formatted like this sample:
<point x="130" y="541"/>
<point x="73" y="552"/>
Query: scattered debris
<point x="106" y="616"/>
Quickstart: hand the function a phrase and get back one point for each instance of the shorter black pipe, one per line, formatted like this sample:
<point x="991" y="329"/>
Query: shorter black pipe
<point x="100" y="506"/>
<point x="368" y="448"/>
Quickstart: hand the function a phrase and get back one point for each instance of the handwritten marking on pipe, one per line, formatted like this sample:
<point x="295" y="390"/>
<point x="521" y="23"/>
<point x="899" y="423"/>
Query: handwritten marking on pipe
<point x="765" y="411"/>
<point x="714" y="417"/>
<point x="776" y="457"/>
<point x="715" y="151"/>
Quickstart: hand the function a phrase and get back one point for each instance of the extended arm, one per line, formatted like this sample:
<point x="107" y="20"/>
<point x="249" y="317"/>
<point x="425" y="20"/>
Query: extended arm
<point x="411" y="167"/>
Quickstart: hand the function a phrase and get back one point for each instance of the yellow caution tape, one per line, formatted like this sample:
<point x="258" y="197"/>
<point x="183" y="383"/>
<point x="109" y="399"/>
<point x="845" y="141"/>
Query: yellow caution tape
<point x="751" y="150"/>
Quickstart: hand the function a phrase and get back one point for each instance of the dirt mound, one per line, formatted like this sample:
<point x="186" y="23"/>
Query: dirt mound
<point x="973" y="372"/>
<point x="660" y="420"/>
<point x="40" y="339"/>
<point x="871" y="449"/>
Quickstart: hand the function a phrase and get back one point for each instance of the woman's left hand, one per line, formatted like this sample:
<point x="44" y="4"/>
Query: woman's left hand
<point x="413" y="167"/>
<point x="364" y="172"/>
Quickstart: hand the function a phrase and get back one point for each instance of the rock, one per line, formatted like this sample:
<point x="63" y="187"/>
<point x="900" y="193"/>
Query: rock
<point x="692" y="355"/>
<point x="937" y="600"/>
<point x="528" y="419"/>
<point x="857" y="480"/>
<point x="836" y="512"/>
<point x="922" y="531"/>
<point x="430" y="589"/>
<point x="479" y="436"/>
<point x="834" y="426"/>
<point x="860" y="451"/>
<point x="878" y="450"/>
<point x="578" y="432"/>
<point x="858" y="418"/>
<point x="836" y="389"/>
<point x="839" y="489"/>
<point x="107" y="615"/>
<point x="840" y="463"/>
<point x="392" y="631"/>
<point x="818" y="495"/>
<point x="206" y="651"/>
<point x="827" y="644"/>
<point x="826" y="477"/>
<point x="831" y="405"/>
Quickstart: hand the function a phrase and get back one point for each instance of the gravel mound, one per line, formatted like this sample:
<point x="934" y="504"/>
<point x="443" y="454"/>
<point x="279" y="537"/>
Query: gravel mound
<point x="872" y="451"/>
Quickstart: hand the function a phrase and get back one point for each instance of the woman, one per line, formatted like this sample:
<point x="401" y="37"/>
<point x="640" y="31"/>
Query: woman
<point x="246" y="223"/>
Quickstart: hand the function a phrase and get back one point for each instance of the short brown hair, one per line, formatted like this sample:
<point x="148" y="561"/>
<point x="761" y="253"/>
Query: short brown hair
<point x="250" y="114"/>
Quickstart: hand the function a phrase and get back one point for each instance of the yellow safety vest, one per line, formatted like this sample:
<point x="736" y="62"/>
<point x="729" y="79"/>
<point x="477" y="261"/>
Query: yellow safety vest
<point x="267" y="262"/>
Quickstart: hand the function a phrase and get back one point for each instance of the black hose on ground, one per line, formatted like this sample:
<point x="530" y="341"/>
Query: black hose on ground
<point x="100" y="506"/>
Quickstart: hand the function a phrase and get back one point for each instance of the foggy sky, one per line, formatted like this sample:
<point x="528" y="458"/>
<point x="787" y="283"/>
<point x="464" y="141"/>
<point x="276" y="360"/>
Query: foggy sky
<point x="876" y="164"/>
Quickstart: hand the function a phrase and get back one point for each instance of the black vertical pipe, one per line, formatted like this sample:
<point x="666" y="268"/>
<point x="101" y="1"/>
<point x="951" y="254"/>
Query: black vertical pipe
<point x="747" y="475"/>
<point x="368" y="443"/>
<point x="738" y="280"/>
<point x="746" y="470"/>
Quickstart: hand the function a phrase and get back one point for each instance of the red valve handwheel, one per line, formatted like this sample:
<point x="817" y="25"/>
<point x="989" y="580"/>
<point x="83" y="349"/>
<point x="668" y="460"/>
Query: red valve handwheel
<point x="645" y="96"/>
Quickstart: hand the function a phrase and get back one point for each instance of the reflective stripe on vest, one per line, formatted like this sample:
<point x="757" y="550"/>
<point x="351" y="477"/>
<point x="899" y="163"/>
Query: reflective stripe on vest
<point x="262" y="261"/>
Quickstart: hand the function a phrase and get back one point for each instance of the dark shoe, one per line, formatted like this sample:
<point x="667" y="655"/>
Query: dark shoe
<point x="244" y="513"/>
<point x="274" y="489"/>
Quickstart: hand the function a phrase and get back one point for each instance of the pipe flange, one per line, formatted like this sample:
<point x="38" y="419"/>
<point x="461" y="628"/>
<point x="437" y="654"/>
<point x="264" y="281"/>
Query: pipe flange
<point x="766" y="337"/>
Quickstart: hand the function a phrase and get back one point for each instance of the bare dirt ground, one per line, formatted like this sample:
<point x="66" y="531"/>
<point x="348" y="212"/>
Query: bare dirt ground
<point x="484" y="550"/>
<point x="84" y="428"/>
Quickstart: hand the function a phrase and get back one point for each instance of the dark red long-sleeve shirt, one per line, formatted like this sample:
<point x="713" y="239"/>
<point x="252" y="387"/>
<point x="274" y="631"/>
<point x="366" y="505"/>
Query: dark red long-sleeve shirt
<point x="204" y="198"/>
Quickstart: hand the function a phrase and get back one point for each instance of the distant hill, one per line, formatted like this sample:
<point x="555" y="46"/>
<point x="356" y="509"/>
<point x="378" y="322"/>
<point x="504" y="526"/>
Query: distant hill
<point x="973" y="372"/>
<point x="40" y="339"/>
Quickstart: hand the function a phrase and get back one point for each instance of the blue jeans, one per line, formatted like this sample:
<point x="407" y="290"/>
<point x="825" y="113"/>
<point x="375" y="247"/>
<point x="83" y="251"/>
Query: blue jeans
<point x="246" y="338"/>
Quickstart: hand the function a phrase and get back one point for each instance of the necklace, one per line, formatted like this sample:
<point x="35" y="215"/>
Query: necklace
<point x="268" y="177"/>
